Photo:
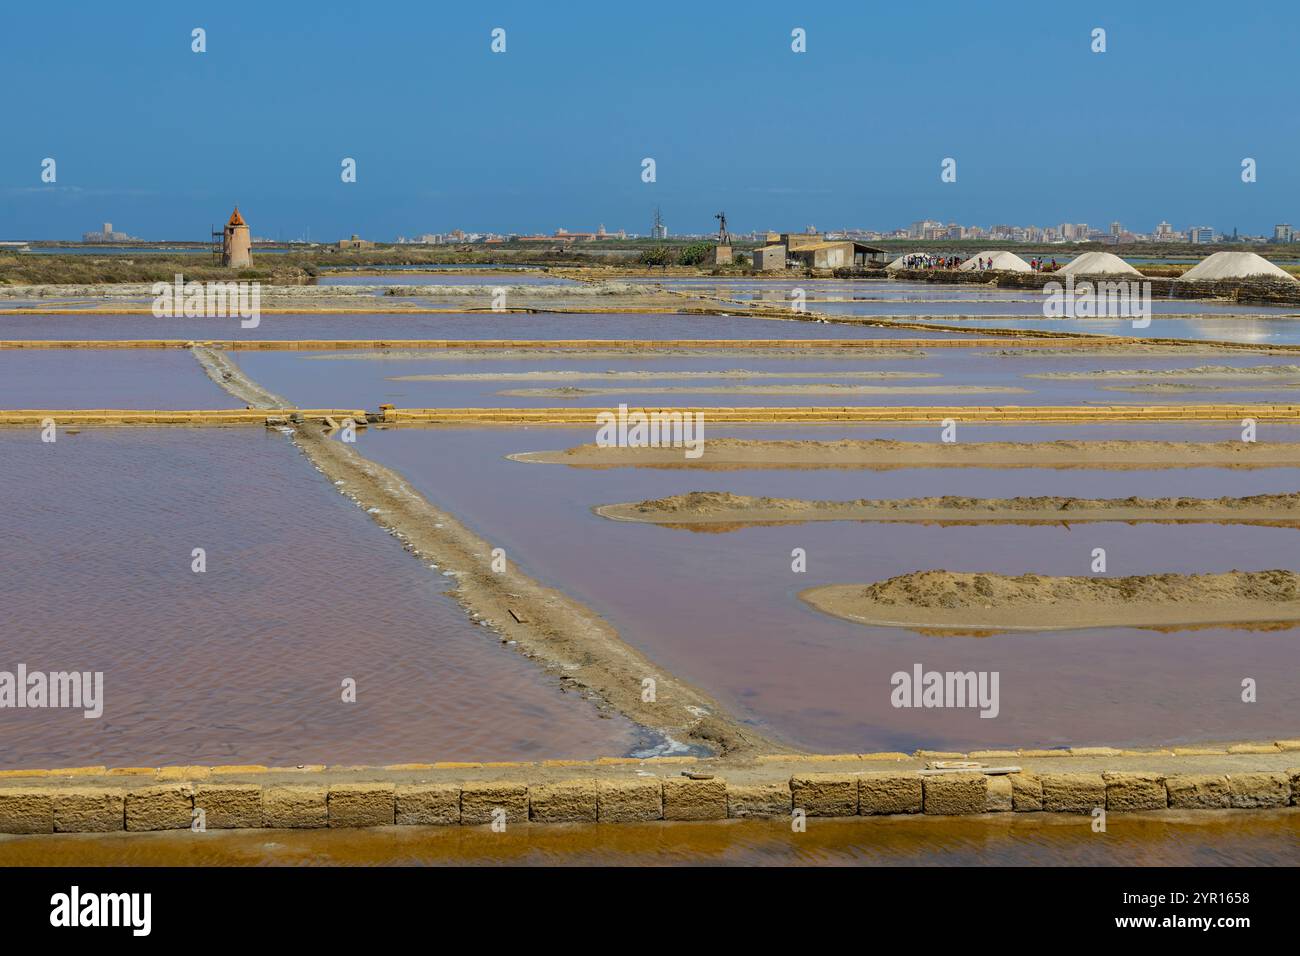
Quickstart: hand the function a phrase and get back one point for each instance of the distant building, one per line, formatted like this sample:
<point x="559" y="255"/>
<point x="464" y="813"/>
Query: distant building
<point x="845" y="254"/>
<point x="799" y="240"/>
<point x="1164" y="233"/>
<point x="769" y="258"/>
<point x="106" y="235"/>
<point x="718" y="256"/>
<point x="236" y="243"/>
<point x="1283" y="233"/>
<point x="356" y="242"/>
<point x="658" y="230"/>
<point x="1201" y="235"/>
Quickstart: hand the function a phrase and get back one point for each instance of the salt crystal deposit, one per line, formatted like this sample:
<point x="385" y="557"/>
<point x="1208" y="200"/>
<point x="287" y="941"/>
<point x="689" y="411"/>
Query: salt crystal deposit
<point x="1236" y="265"/>
<point x="1002" y="262"/>
<point x="1098" y="264"/>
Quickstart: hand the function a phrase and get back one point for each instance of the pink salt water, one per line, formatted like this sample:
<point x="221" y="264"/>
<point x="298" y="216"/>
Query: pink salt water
<point x="246" y="662"/>
<point x="722" y="610"/>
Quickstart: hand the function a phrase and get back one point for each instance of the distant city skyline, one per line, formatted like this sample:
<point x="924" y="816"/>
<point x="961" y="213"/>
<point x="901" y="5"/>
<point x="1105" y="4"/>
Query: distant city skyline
<point x="924" y="230"/>
<point x="445" y="133"/>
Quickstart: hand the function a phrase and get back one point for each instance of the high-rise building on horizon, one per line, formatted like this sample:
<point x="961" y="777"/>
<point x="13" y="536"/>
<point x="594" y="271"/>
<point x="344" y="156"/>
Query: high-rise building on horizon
<point x="658" y="230"/>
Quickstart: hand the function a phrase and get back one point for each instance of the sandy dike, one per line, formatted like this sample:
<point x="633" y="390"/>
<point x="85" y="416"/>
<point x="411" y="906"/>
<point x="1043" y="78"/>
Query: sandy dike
<point x="560" y="633"/>
<point x="947" y="600"/>
<point x="720" y="507"/>
<point x="221" y="368"/>
<point x="734" y="453"/>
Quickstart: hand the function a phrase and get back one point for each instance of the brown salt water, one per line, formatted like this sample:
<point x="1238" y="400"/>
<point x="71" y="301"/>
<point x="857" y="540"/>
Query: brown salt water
<point x="80" y="378"/>
<point x="616" y="327"/>
<point x="723" y="611"/>
<point x="944" y="376"/>
<point x="1221" y="838"/>
<point x="244" y="663"/>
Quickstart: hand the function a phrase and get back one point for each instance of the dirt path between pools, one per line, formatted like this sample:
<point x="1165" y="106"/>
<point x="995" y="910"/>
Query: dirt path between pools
<point x="947" y="600"/>
<point x="739" y="453"/>
<point x="563" y="635"/>
<point x="560" y="633"/>
<point x="722" y="508"/>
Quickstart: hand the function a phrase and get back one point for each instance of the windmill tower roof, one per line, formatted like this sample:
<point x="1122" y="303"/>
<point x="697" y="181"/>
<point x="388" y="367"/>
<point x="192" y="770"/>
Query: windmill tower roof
<point x="236" y="219"/>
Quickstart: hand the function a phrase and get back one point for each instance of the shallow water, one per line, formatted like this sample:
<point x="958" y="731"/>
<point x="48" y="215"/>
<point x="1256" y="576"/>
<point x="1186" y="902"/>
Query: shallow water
<point x="1222" y="838"/>
<point x="121" y="378"/>
<point x="1250" y="328"/>
<point x="445" y="278"/>
<point x="244" y="663"/>
<point x="461" y="325"/>
<point x="722" y="610"/>
<point x="335" y="380"/>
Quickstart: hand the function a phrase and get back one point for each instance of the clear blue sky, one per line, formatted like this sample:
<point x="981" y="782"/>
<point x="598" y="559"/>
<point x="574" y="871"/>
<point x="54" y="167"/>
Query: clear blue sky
<point x="162" y="141"/>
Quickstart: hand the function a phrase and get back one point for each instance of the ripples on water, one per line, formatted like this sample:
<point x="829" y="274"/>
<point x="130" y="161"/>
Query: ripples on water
<point x="122" y="378"/>
<point x="244" y="663"/>
<point x="315" y="381"/>
<point x="723" y="609"/>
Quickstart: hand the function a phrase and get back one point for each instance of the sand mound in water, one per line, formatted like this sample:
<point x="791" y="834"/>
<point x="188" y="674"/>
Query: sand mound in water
<point x="1236" y="265"/>
<point x="1002" y="262"/>
<point x="954" y="603"/>
<point x="726" y="505"/>
<point x="950" y="589"/>
<point x="1098" y="264"/>
<point x="887" y="453"/>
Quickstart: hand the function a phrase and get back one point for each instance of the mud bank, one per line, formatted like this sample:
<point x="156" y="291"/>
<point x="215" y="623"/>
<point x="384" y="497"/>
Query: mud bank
<point x="569" y="375"/>
<point x="613" y="351"/>
<point x="948" y="600"/>
<point x="722" y="508"/>
<point x="730" y="453"/>
<point x="560" y="633"/>
<point x="1203" y="372"/>
<point x="1165" y="388"/>
<point x="221" y="368"/>
<point x="576" y="392"/>
<point x="1256" y="776"/>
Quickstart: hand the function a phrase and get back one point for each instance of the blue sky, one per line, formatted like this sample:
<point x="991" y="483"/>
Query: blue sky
<point x="162" y="141"/>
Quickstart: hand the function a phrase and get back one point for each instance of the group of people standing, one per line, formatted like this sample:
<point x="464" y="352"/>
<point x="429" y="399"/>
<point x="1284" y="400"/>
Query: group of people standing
<point x="921" y="260"/>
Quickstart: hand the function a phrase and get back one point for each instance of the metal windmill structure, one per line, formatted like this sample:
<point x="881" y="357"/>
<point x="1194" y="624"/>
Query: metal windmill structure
<point x="724" y="237"/>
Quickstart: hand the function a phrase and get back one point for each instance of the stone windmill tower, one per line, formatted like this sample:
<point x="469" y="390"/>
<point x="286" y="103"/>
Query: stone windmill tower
<point x="236" y="243"/>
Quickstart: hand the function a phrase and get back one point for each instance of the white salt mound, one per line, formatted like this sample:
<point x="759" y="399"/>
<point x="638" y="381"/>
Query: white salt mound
<point x="1002" y="261"/>
<point x="1098" y="264"/>
<point x="1236" y="265"/>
